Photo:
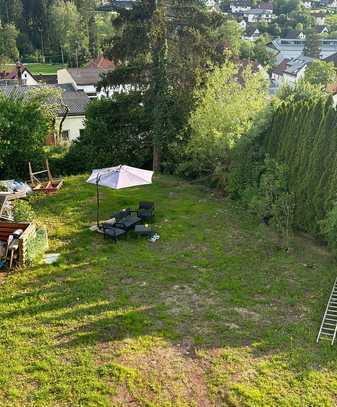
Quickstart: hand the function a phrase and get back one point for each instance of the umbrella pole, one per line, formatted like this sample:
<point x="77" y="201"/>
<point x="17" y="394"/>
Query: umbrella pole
<point x="97" y="198"/>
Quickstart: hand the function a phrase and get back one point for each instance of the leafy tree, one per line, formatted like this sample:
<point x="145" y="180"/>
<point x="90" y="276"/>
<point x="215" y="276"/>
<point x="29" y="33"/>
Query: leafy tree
<point x="320" y="73"/>
<point x="312" y="46"/>
<point x="331" y="22"/>
<point x="301" y="92"/>
<point x="23" y="132"/>
<point x="225" y="112"/>
<point x="164" y="48"/>
<point x="117" y="132"/>
<point x="262" y="54"/>
<point x="66" y="24"/>
<point x="8" y="35"/>
<point x="159" y="95"/>
<point x="285" y="6"/>
<point x="231" y="32"/>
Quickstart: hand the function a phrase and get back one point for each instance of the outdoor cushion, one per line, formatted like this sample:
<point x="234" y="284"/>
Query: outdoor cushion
<point x="109" y="222"/>
<point x="121" y="214"/>
<point x="128" y="223"/>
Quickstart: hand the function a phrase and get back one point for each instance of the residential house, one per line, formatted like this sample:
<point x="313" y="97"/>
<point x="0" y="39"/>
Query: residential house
<point x="101" y="62"/>
<point x="295" y="35"/>
<point x="85" y="79"/>
<point x="290" y="70"/>
<point x="307" y="4"/>
<point x="267" y="6"/>
<point x="243" y="24"/>
<point x="72" y="105"/>
<point x="252" y="34"/>
<point x="321" y="29"/>
<point x="112" y="5"/>
<point x="332" y="4"/>
<point x="332" y="58"/>
<point x="293" y="48"/>
<point x="319" y="17"/>
<point x="17" y="74"/>
<point x="257" y="15"/>
<point x="239" y="6"/>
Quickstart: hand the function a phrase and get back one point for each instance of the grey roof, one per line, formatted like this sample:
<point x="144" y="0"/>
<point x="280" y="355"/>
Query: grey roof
<point x="251" y="30"/>
<point x="116" y="4"/>
<point x="86" y="76"/>
<point x="258" y="11"/>
<point x="293" y="34"/>
<point x="295" y="65"/>
<point x="332" y="58"/>
<point x="76" y="101"/>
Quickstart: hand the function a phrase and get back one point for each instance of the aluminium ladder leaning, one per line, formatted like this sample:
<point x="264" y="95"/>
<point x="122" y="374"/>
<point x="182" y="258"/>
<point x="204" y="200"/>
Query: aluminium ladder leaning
<point x="328" y="329"/>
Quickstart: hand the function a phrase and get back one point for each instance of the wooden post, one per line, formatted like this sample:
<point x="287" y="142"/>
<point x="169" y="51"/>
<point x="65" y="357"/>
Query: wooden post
<point x="31" y="174"/>
<point x="48" y="171"/>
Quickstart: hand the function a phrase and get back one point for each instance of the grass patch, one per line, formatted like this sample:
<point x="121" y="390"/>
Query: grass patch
<point x="44" y="69"/>
<point x="212" y="314"/>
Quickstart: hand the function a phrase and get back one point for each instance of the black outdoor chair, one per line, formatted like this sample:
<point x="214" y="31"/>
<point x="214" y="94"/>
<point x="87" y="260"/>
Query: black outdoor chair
<point x="126" y="219"/>
<point x="146" y="210"/>
<point x="113" y="232"/>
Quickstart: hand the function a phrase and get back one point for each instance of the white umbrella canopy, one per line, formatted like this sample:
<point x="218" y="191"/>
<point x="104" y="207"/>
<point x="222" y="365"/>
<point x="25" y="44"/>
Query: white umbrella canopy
<point x="119" y="177"/>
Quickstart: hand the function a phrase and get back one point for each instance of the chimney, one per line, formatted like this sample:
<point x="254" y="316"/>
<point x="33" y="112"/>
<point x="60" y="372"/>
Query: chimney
<point x="19" y="72"/>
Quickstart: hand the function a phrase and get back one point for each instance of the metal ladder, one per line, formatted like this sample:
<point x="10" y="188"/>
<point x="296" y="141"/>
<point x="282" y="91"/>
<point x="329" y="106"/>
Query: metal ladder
<point x="328" y="329"/>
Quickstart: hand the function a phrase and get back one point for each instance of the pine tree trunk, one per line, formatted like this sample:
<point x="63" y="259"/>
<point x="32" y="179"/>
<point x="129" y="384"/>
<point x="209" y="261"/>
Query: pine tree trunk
<point x="156" y="157"/>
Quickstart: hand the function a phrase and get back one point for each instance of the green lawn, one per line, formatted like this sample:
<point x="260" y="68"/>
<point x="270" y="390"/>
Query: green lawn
<point x="213" y="314"/>
<point x="44" y="69"/>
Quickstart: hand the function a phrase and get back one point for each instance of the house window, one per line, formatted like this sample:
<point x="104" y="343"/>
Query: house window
<point x="65" y="135"/>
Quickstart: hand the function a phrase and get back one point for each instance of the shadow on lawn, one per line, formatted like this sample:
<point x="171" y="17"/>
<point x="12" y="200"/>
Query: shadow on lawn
<point x="100" y="293"/>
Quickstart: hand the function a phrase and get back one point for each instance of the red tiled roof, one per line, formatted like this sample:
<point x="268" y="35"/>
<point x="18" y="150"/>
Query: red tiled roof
<point x="101" y="62"/>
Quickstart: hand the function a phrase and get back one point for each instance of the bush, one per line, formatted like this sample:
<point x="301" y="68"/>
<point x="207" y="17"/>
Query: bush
<point x="23" y="132"/>
<point x="117" y="132"/>
<point x="226" y="111"/>
<point x="328" y="228"/>
<point x="23" y="211"/>
<point x="36" y="247"/>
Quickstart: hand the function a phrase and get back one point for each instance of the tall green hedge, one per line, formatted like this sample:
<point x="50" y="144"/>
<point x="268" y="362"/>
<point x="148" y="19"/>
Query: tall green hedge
<point x="304" y="136"/>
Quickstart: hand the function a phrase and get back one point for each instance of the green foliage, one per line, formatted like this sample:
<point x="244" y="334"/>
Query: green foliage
<point x="320" y="73"/>
<point x="117" y="132"/>
<point x="23" y="132"/>
<point x="302" y="91"/>
<point x="312" y="45"/>
<point x="67" y="29"/>
<point x="226" y="110"/>
<point x="273" y="202"/>
<point x="37" y="246"/>
<point x="303" y="136"/>
<point x="23" y="211"/>
<point x="8" y="36"/>
<point x="328" y="228"/>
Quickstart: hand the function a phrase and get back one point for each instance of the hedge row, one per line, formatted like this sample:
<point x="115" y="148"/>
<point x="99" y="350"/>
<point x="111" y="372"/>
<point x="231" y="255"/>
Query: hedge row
<point x="304" y="136"/>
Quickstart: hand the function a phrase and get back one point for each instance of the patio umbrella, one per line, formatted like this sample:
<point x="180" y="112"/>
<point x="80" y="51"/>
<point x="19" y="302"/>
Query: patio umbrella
<point x="119" y="177"/>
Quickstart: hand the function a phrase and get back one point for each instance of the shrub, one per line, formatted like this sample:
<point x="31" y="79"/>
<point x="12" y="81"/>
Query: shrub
<point x="23" y="132"/>
<point x="23" y="211"/>
<point x="226" y="111"/>
<point x="117" y="132"/>
<point x="328" y="228"/>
